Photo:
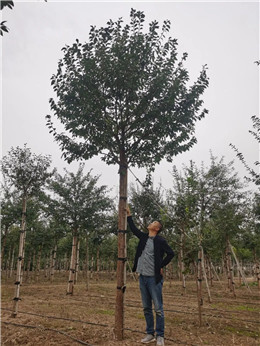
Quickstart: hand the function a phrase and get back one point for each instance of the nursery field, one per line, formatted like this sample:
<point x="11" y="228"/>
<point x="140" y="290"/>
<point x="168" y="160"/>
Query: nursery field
<point x="47" y="316"/>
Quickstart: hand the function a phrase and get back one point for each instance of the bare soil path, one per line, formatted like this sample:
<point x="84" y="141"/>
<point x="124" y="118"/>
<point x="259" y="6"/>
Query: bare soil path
<point x="47" y="316"/>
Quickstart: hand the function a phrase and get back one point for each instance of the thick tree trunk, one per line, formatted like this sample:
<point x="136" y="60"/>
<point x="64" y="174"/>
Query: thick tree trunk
<point x="20" y="258"/>
<point x="72" y="264"/>
<point x="121" y="262"/>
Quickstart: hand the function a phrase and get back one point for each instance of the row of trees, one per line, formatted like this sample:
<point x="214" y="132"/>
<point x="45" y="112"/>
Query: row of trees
<point x="205" y="213"/>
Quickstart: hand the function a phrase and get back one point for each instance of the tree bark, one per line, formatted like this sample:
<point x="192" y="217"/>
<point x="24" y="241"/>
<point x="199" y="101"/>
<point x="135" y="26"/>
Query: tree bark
<point x="53" y="261"/>
<point x="11" y="265"/>
<point x="72" y="264"/>
<point x="199" y="286"/>
<point x="87" y="263"/>
<point x="97" y="264"/>
<point x="205" y="274"/>
<point x="20" y="258"/>
<point x="230" y="269"/>
<point x="38" y="264"/>
<point x="3" y="246"/>
<point x="77" y="264"/>
<point x="182" y="266"/>
<point x="121" y="262"/>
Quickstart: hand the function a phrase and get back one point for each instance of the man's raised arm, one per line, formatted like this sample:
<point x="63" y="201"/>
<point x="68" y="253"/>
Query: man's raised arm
<point x="131" y="224"/>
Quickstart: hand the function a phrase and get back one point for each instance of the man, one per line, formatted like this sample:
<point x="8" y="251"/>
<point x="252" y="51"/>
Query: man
<point x="149" y="263"/>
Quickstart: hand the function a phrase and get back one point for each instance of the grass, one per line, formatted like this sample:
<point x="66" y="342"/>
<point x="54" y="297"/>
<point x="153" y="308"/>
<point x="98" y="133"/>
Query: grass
<point x="236" y="308"/>
<point x="242" y="332"/>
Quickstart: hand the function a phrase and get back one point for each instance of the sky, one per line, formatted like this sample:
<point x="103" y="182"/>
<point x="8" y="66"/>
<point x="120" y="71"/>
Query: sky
<point x="223" y="35"/>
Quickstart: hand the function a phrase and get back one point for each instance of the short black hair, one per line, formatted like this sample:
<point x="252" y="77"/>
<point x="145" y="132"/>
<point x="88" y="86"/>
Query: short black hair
<point x="161" y="228"/>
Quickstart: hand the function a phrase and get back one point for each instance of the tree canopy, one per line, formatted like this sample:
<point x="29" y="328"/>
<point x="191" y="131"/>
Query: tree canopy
<point x="126" y="92"/>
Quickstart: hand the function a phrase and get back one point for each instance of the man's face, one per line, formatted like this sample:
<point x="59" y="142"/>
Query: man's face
<point x="154" y="226"/>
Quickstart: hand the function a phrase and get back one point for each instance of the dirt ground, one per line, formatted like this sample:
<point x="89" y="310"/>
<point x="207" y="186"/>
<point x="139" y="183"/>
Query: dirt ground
<point x="47" y="316"/>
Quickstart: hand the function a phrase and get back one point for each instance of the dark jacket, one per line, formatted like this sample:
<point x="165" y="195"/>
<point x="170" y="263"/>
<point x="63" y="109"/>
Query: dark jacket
<point x="160" y="248"/>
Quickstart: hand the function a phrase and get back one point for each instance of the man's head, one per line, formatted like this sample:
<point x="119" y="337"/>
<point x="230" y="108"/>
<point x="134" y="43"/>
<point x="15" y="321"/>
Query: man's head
<point x="155" y="226"/>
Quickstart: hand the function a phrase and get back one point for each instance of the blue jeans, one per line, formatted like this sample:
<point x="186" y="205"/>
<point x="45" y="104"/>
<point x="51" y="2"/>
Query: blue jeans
<point x="152" y="292"/>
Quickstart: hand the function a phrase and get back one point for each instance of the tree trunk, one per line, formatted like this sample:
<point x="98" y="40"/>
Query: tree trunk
<point x="3" y="246"/>
<point x="77" y="264"/>
<point x="205" y="274"/>
<point x="11" y="265"/>
<point x="182" y="266"/>
<point x="38" y="264"/>
<point x="20" y="258"/>
<point x="92" y="267"/>
<point x="97" y="264"/>
<point x="28" y="267"/>
<point x="72" y="264"/>
<point x="87" y="263"/>
<point x="211" y="275"/>
<point x="230" y="269"/>
<point x="53" y="261"/>
<point x="238" y="267"/>
<point x="22" y="261"/>
<point x="199" y="286"/>
<point x="121" y="261"/>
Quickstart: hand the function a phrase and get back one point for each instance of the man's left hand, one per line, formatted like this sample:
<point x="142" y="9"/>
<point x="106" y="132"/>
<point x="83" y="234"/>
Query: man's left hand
<point x="161" y="271"/>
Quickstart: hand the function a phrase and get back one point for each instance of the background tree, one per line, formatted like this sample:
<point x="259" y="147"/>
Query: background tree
<point x="254" y="175"/>
<point x="27" y="173"/>
<point x="3" y="4"/>
<point x="124" y="95"/>
<point x="79" y="203"/>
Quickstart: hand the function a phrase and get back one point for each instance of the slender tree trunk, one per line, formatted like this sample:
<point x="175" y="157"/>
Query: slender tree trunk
<point x="46" y="267"/>
<point x="92" y="267"/>
<point x="7" y="264"/>
<point x="257" y="267"/>
<point x="28" y="267"/>
<point x="3" y="247"/>
<point x="77" y="264"/>
<point x="87" y="263"/>
<point x="227" y="269"/>
<point x="199" y="286"/>
<point x="11" y="265"/>
<point x="214" y="270"/>
<point x="53" y="261"/>
<point x="130" y="269"/>
<point x="211" y="275"/>
<point x="230" y="269"/>
<point x="238" y="267"/>
<point x="22" y="261"/>
<point x="72" y="264"/>
<point x="121" y="261"/>
<point x="34" y="264"/>
<point x="205" y="274"/>
<point x="38" y="264"/>
<point x="20" y="258"/>
<point x="182" y="266"/>
<point x="97" y="264"/>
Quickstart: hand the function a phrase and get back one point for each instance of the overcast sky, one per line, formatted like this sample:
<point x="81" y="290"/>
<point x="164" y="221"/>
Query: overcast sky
<point x="223" y="35"/>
